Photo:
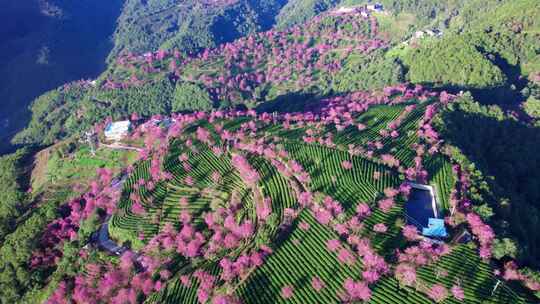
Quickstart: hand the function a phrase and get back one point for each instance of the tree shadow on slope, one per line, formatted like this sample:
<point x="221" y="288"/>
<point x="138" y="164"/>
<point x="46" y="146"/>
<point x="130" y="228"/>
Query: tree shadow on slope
<point x="260" y="295"/>
<point x="508" y="96"/>
<point x="293" y="102"/>
<point x="506" y="152"/>
<point x="252" y="293"/>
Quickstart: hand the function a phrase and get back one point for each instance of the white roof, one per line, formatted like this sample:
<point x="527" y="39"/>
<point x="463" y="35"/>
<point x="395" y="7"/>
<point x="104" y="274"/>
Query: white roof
<point x="344" y="9"/>
<point x="118" y="127"/>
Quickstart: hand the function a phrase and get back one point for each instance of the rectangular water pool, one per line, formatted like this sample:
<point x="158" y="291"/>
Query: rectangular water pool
<point x="419" y="207"/>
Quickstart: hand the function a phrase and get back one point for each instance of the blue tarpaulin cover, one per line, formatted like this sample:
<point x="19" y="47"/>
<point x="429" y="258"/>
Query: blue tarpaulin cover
<point x="435" y="228"/>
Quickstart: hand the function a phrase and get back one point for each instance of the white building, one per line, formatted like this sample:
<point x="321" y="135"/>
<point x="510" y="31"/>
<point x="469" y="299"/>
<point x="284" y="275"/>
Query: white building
<point x="344" y="10"/>
<point x="430" y="33"/>
<point x="117" y="130"/>
<point x="419" y="34"/>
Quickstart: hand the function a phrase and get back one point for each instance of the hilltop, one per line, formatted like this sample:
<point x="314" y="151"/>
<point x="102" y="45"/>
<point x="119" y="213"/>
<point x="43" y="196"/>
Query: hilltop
<point x="311" y="205"/>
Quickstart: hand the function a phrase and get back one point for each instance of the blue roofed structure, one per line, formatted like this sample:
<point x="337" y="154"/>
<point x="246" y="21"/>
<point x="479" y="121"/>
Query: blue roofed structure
<point x="376" y="7"/>
<point x="421" y="211"/>
<point x="435" y="228"/>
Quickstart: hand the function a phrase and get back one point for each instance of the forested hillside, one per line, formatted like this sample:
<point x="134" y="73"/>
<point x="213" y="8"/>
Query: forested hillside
<point x="331" y="54"/>
<point x="12" y="185"/>
<point x="297" y="12"/>
<point x="189" y="25"/>
<point x="501" y="152"/>
<point x="498" y="51"/>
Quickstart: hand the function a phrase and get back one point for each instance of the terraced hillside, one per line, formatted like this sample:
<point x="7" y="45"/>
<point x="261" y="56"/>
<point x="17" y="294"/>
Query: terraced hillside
<point x="262" y="66"/>
<point x="296" y="166"/>
<point x="331" y="53"/>
<point x="228" y="207"/>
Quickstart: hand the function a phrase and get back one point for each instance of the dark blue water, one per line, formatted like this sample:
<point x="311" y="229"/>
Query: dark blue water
<point x="418" y="207"/>
<point x="44" y="44"/>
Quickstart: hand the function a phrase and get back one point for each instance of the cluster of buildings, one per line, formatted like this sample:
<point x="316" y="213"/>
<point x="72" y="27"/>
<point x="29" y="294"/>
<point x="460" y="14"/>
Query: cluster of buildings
<point x="377" y="7"/>
<point x="428" y="33"/>
<point x="116" y="131"/>
<point x="361" y="9"/>
<point x="421" y="34"/>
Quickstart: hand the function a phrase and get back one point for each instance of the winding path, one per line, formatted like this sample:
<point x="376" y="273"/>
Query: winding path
<point x="105" y="243"/>
<point x="117" y="146"/>
<point x="102" y="238"/>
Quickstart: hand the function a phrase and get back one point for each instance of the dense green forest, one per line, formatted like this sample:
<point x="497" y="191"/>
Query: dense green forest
<point x="21" y="225"/>
<point x="190" y="25"/>
<point x="190" y="97"/>
<point x="452" y="62"/>
<point x="501" y="151"/>
<point x="297" y="12"/>
<point x="16" y="276"/>
<point x="12" y="190"/>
